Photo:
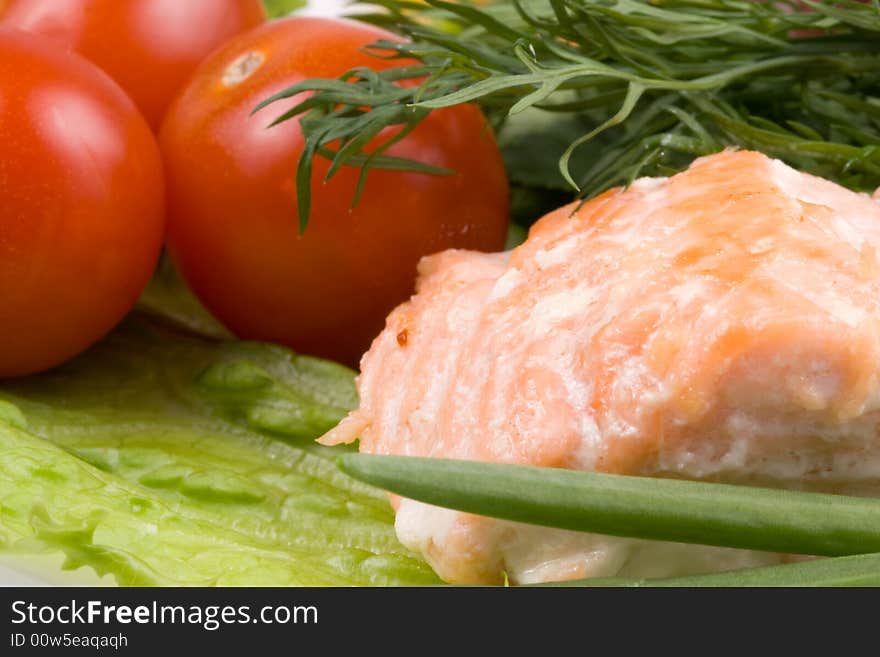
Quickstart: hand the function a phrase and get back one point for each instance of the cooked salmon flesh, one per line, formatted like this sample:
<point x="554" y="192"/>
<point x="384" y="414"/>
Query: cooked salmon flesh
<point x="720" y="324"/>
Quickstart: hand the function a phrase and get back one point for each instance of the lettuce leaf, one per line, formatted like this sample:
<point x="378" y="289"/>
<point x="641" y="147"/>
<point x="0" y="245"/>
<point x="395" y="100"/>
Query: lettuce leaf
<point x="168" y="298"/>
<point x="166" y="459"/>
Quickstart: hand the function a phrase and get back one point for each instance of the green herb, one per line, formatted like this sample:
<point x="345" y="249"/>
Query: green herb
<point x="860" y="570"/>
<point x="516" y="235"/>
<point x="652" y="84"/>
<point x="163" y="459"/>
<point x="277" y="8"/>
<point x="638" y="507"/>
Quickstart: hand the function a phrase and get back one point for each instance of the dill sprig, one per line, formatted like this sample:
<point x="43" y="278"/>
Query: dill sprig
<point x="652" y="83"/>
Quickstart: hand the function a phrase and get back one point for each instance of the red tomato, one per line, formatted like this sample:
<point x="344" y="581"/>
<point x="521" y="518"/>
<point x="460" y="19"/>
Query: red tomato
<point x="233" y="226"/>
<point x="149" y="47"/>
<point x="81" y="204"/>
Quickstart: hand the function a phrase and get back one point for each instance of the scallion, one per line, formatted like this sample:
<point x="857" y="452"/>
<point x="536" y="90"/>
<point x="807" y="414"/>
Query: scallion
<point x="639" y="507"/>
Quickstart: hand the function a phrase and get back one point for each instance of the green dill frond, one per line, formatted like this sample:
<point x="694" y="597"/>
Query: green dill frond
<point x="637" y="87"/>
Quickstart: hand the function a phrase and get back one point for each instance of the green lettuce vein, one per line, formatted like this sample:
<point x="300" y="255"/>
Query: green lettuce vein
<point x="166" y="459"/>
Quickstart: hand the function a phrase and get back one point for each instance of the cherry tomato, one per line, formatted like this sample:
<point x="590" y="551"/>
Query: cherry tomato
<point x="233" y="226"/>
<point x="81" y="204"/>
<point x="149" y="47"/>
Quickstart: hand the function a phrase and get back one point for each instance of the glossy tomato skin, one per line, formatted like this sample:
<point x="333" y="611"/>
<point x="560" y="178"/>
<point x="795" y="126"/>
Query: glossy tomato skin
<point x="233" y="226"/>
<point x="81" y="204"/>
<point x="149" y="47"/>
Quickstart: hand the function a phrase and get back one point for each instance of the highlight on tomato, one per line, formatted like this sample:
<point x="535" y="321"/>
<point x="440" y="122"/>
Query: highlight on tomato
<point x="233" y="227"/>
<point x="150" y="47"/>
<point x="81" y="204"/>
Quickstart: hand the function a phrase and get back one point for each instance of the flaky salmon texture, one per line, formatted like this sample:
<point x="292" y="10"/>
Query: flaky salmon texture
<point x="721" y="324"/>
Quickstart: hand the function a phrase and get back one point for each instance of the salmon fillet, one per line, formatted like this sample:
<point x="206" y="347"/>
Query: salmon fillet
<point x="721" y="324"/>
